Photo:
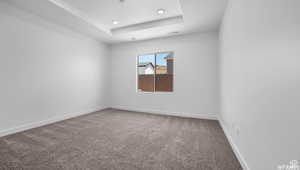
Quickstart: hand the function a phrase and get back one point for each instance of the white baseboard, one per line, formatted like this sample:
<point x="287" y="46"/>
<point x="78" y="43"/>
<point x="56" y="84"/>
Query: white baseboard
<point x="233" y="145"/>
<point x="47" y="121"/>
<point x="168" y="113"/>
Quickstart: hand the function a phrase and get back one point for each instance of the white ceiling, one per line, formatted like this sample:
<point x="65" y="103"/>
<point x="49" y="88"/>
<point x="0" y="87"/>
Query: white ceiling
<point x="137" y="19"/>
<point x="127" y="13"/>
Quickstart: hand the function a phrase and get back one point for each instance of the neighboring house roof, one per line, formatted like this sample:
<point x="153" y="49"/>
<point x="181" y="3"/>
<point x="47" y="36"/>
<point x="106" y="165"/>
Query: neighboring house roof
<point x="145" y="64"/>
<point x="146" y="68"/>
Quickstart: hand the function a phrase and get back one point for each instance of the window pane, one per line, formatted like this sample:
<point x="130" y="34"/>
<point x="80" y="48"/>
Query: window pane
<point x="146" y="64"/>
<point x="164" y="72"/>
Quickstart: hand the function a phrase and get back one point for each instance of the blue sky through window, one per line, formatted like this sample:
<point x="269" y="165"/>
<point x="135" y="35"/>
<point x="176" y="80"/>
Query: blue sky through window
<point x="147" y="58"/>
<point x="160" y="59"/>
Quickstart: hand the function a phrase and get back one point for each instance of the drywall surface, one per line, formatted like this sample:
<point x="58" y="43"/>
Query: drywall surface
<point x="47" y="71"/>
<point x="195" y="75"/>
<point x="260" y="80"/>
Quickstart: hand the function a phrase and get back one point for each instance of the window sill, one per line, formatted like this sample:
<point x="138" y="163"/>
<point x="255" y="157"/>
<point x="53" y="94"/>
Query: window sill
<point x="141" y="92"/>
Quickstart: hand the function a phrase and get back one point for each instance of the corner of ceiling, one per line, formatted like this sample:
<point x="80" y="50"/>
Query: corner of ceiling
<point x="67" y="7"/>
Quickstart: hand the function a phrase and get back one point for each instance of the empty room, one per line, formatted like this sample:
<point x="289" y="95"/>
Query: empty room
<point x="149" y="85"/>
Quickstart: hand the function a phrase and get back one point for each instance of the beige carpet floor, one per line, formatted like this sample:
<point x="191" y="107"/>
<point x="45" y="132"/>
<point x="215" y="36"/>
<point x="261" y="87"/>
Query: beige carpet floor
<point x="120" y="140"/>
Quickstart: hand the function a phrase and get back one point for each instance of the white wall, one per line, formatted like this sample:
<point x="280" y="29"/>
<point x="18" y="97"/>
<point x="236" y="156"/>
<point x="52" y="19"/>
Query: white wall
<point x="260" y="72"/>
<point x="46" y="71"/>
<point x="195" y="79"/>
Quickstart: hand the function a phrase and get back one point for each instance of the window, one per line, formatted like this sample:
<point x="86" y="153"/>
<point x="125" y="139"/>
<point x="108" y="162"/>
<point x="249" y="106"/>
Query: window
<point x="155" y="72"/>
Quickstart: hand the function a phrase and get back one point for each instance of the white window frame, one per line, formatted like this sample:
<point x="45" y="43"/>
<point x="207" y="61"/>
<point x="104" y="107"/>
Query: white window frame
<point x="137" y="75"/>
